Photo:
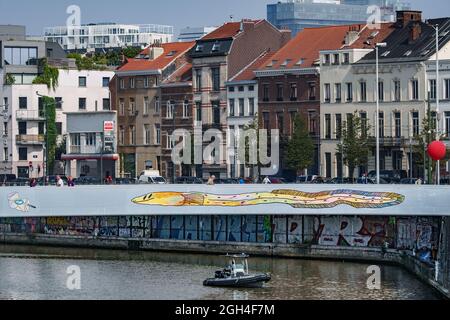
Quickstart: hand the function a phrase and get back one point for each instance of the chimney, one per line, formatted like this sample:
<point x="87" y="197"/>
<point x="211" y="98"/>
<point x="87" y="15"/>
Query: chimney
<point x="351" y="37"/>
<point x="415" y="31"/>
<point x="155" y="52"/>
<point x="407" y="16"/>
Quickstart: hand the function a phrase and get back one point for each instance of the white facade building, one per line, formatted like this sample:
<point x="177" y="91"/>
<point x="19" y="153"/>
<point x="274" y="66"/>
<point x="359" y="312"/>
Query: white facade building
<point x="191" y="34"/>
<point x="102" y="36"/>
<point x="23" y="122"/>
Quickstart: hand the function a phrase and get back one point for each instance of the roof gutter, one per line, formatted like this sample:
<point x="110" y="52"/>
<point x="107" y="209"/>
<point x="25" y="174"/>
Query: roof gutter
<point x="280" y="72"/>
<point x="139" y="73"/>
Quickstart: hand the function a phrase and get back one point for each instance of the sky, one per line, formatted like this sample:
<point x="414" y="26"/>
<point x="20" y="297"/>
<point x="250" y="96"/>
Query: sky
<point x="36" y="15"/>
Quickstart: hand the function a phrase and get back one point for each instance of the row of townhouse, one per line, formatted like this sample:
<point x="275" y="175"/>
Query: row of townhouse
<point x="189" y="86"/>
<point x="23" y="121"/>
<point x="407" y="82"/>
<point x="246" y="72"/>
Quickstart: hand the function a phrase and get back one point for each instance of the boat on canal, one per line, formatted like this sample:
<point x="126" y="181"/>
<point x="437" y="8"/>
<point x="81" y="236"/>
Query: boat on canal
<point x="236" y="275"/>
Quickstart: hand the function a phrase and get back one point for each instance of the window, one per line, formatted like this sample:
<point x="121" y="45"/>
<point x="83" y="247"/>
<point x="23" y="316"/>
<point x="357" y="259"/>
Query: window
<point x="312" y="91"/>
<point x="23" y="154"/>
<point x="75" y="139"/>
<point x="363" y="117"/>
<point x="215" y="75"/>
<point x="186" y="109"/>
<point x="327" y="93"/>
<point x="41" y="128"/>
<point x="326" y="59"/>
<point x="5" y="104"/>
<point x="266" y="120"/>
<point x="5" y="154"/>
<point x="328" y="126"/>
<point x="280" y="122"/>
<point x="91" y="139"/>
<point x="231" y="89"/>
<point x="346" y="58"/>
<point x="398" y="124"/>
<point x="121" y="107"/>
<point x="198" y="80"/>
<point x="122" y="83"/>
<point x="447" y="123"/>
<point x="132" y="109"/>
<point x="415" y="124"/>
<point x="397" y="90"/>
<point x="216" y="112"/>
<point x="82" y="81"/>
<point x="381" y="124"/>
<point x="447" y="89"/>
<point x="363" y="91"/>
<point x="157" y="134"/>
<point x="294" y="92"/>
<point x="312" y="122"/>
<point x="251" y="106"/>
<point x="381" y="91"/>
<point x="106" y="104"/>
<point x="349" y="92"/>
<point x="22" y="128"/>
<point x="157" y="106"/>
<point x="336" y="59"/>
<point x="105" y="82"/>
<point x="121" y="135"/>
<point x="146" y="106"/>
<point x="338" y="92"/>
<point x="132" y="135"/>
<point x="251" y="88"/>
<point x="432" y="89"/>
<point x="241" y="88"/>
<point x="132" y="83"/>
<point x="59" y="128"/>
<point x="232" y="107"/>
<point x="414" y="89"/>
<point x="58" y="103"/>
<point x="279" y="92"/>
<point x="266" y="92"/>
<point x="23" y="103"/>
<point x="82" y="103"/>
<point x="198" y="111"/>
<point x="147" y="134"/>
<point x="170" y="110"/>
<point x="338" y="126"/>
<point x="24" y="56"/>
<point x="241" y="107"/>
<point x="146" y="82"/>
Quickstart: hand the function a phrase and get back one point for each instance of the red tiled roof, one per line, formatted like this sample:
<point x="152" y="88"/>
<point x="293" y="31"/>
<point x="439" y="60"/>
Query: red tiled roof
<point x="176" y="48"/>
<point x="307" y="45"/>
<point x="368" y="38"/>
<point x="228" y="30"/>
<point x="184" y="73"/>
<point x="248" y="72"/>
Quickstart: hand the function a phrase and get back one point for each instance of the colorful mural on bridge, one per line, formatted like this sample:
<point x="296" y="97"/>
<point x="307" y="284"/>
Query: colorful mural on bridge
<point x="296" y="199"/>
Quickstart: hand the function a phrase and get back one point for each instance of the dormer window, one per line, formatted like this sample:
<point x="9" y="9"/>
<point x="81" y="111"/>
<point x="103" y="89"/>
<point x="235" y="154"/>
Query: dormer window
<point x="286" y="62"/>
<point x="326" y="59"/>
<point x="272" y="63"/>
<point x="171" y="53"/>
<point x="408" y="53"/>
<point x="216" y="47"/>
<point x="374" y="34"/>
<point x="199" y="48"/>
<point x="300" y="62"/>
<point x="385" y="54"/>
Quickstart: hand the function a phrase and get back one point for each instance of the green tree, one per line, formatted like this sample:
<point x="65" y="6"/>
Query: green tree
<point x="51" y="132"/>
<point x="300" y="148"/>
<point x="354" y="145"/>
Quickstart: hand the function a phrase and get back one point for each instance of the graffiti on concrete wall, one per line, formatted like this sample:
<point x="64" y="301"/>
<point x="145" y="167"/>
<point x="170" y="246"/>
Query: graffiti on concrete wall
<point x="417" y="233"/>
<point x="296" y="199"/>
<point x="353" y="231"/>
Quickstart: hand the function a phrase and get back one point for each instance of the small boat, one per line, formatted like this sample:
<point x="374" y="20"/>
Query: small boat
<point x="237" y="275"/>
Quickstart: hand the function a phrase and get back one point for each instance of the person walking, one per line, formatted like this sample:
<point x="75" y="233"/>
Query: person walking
<point x="211" y="181"/>
<point x="59" y="182"/>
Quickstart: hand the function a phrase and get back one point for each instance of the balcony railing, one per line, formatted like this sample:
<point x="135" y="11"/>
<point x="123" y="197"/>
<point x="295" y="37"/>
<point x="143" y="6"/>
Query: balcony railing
<point x="30" y="115"/>
<point x="30" y="139"/>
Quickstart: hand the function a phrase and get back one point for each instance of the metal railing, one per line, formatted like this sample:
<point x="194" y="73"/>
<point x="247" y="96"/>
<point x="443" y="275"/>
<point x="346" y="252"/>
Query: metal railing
<point x="30" y="138"/>
<point x="30" y="115"/>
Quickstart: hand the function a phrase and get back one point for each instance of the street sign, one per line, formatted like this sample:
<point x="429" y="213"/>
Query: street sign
<point x="108" y="126"/>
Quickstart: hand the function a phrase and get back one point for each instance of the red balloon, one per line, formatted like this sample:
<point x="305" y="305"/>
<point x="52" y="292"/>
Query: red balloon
<point x="437" y="150"/>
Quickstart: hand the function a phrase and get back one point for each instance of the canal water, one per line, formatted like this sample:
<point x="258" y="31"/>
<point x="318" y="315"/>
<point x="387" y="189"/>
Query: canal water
<point x="41" y="273"/>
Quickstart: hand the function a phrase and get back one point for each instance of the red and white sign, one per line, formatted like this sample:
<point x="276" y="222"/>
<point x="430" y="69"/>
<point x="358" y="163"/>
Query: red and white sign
<point x="108" y="126"/>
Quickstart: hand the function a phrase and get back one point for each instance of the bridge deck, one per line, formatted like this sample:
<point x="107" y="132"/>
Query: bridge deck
<point x="387" y="200"/>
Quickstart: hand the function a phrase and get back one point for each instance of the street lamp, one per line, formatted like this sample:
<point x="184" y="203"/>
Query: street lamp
<point x="377" y="124"/>
<point x="438" y="132"/>
<point x="45" y="171"/>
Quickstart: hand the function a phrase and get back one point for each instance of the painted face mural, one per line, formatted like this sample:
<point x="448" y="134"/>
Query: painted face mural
<point x="296" y="199"/>
<point x="19" y="204"/>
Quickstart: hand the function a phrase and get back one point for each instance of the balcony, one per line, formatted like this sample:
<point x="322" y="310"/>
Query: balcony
<point x="28" y="139"/>
<point x="30" y="115"/>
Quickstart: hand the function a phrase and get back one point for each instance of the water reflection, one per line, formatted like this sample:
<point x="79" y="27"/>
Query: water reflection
<point x="40" y="273"/>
